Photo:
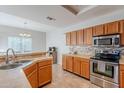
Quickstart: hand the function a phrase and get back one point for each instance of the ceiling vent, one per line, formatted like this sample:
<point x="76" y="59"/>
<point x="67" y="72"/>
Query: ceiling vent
<point x="50" y="18"/>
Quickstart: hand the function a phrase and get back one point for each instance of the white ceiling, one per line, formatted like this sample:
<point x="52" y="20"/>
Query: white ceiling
<point x="64" y="18"/>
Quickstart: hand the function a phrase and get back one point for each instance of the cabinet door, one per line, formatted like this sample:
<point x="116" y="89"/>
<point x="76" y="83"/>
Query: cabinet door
<point x="85" y="69"/>
<point x="112" y="28"/>
<point x="44" y="75"/>
<point x="80" y="38"/>
<point x="121" y="76"/>
<point x="64" y="62"/>
<point x="69" y="63"/>
<point x="88" y="36"/>
<point x="77" y="66"/>
<point x="98" y="30"/>
<point x="122" y="31"/>
<point x="122" y="79"/>
<point x="32" y="78"/>
<point x="73" y="38"/>
<point x="31" y="73"/>
<point x="68" y="38"/>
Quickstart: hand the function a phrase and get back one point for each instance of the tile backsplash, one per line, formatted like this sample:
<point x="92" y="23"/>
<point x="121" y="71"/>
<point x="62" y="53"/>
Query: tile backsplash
<point x="89" y="50"/>
<point x="82" y="50"/>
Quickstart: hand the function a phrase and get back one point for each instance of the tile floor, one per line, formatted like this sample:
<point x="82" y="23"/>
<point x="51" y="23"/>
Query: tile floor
<point x="64" y="79"/>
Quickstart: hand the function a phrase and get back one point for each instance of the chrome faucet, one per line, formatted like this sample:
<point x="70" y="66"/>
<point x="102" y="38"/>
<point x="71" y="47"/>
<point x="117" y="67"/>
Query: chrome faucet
<point x="7" y="55"/>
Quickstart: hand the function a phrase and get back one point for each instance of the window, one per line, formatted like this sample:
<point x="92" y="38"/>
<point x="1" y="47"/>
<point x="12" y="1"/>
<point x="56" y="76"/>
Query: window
<point x="20" y="44"/>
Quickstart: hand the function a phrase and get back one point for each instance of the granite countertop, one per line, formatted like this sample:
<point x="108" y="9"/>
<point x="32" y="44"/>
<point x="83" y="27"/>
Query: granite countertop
<point x="16" y="78"/>
<point x="88" y="57"/>
<point x="78" y="55"/>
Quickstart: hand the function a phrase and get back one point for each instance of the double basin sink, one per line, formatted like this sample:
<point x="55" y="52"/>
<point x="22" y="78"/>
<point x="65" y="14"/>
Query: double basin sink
<point x="14" y="64"/>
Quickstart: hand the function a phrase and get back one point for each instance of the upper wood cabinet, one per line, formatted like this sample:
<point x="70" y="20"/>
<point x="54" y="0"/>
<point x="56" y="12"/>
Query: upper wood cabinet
<point x="73" y="38"/>
<point x="84" y="36"/>
<point x="80" y="37"/>
<point x="112" y="28"/>
<point x="88" y="36"/>
<point x="77" y="66"/>
<point x="68" y="38"/>
<point x="122" y="31"/>
<point x="69" y="63"/>
<point x="122" y="76"/>
<point x="98" y="30"/>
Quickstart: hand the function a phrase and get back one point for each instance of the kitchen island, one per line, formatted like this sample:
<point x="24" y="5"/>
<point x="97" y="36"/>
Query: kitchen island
<point x="16" y="78"/>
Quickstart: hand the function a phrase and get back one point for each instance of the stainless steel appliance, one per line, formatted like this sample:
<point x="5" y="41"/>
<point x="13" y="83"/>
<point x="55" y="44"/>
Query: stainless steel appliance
<point x="107" y="41"/>
<point x="104" y="69"/>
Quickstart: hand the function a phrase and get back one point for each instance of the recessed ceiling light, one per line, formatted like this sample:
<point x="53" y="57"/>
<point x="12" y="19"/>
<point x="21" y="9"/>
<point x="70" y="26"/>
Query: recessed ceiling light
<point x="50" y="18"/>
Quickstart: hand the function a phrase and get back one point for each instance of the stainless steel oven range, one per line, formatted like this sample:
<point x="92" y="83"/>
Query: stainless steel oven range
<point x="104" y="70"/>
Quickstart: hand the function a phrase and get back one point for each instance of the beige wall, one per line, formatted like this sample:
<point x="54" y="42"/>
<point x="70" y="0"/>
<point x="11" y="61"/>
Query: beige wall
<point x="38" y="38"/>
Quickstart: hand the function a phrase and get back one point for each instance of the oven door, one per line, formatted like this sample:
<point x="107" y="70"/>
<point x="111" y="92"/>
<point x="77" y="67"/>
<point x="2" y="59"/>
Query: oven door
<point x="105" y="70"/>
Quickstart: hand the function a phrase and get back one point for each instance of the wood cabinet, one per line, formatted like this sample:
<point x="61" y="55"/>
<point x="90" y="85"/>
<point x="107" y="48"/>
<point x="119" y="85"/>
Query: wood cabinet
<point x="68" y="38"/>
<point x="88" y="36"/>
<point x="31" y="73"/>
<point x="85" y="68"/>
<point x="64" y="62"/>
<point x="73" y="38"/>
<point x="44" y="72"/>
<point x="121" y="76"/>
<point x="84" y="36"/>
<point x="112" y="28"/>
<point x="77" y="66"/>
<point x="98" y="30"/>
<point x="80" y="37"/>
<point x="122" y="31"/>
<point x="39" y="73"/>
<point x="69" y="63"/>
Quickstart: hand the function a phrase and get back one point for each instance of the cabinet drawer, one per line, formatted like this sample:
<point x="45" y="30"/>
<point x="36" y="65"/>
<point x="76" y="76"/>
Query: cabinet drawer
<point x="44" y="63"/>
<point x="85" y="60"/>
<point x="122" y="67"/>
<point x="28" y="70"/>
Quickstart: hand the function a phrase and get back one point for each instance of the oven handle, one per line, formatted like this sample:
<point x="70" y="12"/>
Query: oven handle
<point x="96" y="61"/>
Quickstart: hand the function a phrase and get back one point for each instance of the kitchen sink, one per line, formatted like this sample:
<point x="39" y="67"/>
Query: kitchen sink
<point x="14" y="65"/>
<point x="9" y="66"/>
<point x="23" y="61"/>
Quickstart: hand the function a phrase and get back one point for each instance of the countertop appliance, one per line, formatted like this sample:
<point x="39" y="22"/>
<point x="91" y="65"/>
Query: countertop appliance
<point x="53" y="52"/>
<point x="107" y="41"/>
<point x="104" y="69"/>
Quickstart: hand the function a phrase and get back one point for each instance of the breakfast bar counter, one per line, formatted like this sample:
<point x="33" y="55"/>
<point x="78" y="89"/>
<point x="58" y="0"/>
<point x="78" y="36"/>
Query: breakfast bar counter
<point x="16" y="78"/>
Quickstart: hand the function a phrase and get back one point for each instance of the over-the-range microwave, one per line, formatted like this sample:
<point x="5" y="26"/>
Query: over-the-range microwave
<point x="107" y="41"/>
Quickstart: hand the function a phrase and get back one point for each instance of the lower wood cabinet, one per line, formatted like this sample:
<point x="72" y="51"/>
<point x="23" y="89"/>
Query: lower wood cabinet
<point x="31" y="73"/>
<point x="85" y="68"/>
<point x="121" y="76"/>
<point x="64" y="62"/>
<point x="69" y="63"/>
<point x="44" y="73"/>
<point x="77" y="65"/>
<point x="33" y="79"/>
<point x="39" y="73"/>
